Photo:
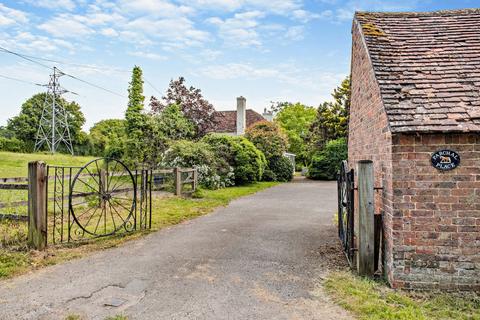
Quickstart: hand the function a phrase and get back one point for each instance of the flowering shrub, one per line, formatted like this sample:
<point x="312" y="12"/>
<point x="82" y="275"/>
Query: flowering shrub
<point x="213" y="172"/>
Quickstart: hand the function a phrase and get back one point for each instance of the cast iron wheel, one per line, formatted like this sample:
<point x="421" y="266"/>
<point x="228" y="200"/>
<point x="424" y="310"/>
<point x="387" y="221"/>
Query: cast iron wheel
<point x="103" y="198"/>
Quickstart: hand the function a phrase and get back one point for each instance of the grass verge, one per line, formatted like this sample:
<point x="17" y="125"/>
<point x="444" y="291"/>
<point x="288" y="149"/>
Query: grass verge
<point x="369" y="299"/>
<point x="166" y="212"/>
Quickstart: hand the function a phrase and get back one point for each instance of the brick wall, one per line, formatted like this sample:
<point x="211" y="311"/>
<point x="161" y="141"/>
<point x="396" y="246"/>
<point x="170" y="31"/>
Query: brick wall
<point x="436" y="215"/>
<point x="369" y="136"/>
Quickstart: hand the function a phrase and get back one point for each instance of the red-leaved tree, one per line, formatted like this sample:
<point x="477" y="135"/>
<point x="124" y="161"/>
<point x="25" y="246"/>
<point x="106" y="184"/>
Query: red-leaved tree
<point x="192" y="104"/>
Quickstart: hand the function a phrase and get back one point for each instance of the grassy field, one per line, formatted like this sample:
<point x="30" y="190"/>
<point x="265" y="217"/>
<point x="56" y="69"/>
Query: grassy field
<point x="15" y="164"/>
<point x="368" y="299"/>
<point x="166" y="211"/>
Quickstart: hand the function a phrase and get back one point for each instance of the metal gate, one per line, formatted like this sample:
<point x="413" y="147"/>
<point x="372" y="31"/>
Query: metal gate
<point x="346" y="194"/>
<point x="99" y="199"/>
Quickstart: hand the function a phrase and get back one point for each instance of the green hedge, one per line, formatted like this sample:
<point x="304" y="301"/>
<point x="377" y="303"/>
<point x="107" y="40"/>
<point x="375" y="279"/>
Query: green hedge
<point x="326" y="163"/>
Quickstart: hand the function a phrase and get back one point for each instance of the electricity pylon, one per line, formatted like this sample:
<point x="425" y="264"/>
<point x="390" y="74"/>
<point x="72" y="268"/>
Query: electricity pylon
<point x="53" y="128"/>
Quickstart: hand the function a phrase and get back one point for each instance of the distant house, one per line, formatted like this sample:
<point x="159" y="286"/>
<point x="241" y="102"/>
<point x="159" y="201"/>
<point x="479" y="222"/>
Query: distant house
<point x="235" y="122"/>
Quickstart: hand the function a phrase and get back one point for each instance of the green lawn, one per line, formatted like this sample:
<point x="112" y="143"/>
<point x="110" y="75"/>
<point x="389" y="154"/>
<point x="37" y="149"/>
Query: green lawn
<point x="368" y="299"/>
<point x="15" y="164"/>
<point x="16" y="259"/>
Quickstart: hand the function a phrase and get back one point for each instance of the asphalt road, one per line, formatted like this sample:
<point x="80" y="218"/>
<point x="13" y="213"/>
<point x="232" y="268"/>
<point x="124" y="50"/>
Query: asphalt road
<point x="262" y="257"/>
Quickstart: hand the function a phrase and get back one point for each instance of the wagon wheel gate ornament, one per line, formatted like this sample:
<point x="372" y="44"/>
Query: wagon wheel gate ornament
<point x="103" y="198"/>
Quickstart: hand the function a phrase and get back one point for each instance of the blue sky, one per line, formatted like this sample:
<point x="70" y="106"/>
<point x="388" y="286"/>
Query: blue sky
<point x="265" y="50"/>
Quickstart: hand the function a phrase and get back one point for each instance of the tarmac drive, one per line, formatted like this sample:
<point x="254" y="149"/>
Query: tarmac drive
<point x="261" y="257"/>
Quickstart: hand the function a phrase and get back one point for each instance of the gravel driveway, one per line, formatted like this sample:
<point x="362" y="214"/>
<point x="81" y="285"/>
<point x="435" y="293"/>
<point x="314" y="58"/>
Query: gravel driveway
<point x="262" y="257"/>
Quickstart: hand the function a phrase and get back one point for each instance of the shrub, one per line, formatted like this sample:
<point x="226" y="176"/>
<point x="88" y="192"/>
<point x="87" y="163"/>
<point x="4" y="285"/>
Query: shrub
<point x="326" y="163"/>
<point x="12" y="145"/>
<point x="268" y="138"/>
<point x="251" y="162"/>
<point x="213" y="172"/>
<point x="269" y="175"/>
<point x="246" y="160"/>
<point x="282" y="168"/>
<point x="272" y="141"/>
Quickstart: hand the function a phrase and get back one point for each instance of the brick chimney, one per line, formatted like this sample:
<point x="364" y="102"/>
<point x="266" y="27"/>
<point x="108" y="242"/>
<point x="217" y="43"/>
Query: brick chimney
<point x="241" y="115"/>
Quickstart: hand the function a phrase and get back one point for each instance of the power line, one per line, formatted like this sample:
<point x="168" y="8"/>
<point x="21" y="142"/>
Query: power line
<point x="151" y="85"/>
<point x="94" y="85"/>
<point x="34" y="58"/>
<point x="23" y="81"/>
<point x="24" y="57"/>
<point x="31" y="59"/>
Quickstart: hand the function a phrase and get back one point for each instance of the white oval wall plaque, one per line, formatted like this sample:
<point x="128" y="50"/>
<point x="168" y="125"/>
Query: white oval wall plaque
<point x="445" y="160"/>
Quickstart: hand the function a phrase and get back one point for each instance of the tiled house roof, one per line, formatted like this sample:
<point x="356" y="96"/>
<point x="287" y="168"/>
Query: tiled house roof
<point x="227" y="120"/>
<point x="427" y="66"/>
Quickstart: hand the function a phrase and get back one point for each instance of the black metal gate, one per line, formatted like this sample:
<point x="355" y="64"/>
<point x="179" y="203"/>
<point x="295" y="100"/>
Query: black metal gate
<point x="99" y="199"/>
<point x="346" y="194"/>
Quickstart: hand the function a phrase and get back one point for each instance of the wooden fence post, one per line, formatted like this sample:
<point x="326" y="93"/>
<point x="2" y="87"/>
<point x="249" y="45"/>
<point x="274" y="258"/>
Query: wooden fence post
<point x="365" y="218"/>
<point x="37" y="211"/>
<point x="195" y="178"/>
<point x="178" y="181"/>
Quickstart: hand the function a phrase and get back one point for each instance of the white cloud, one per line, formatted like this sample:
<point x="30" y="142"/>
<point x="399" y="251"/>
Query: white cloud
<point x="147" y="55"/>
<point x="237" y="70"/>
<point x="173" y="31"/>
<point x="28" y="42"/>
<point x="66" y="26"/>
<point x="54" y="4"/>
<point x="109" y="32"/>
<point x="241" y="29"/>
<point x="295" y="33"/>
<point x="287" y="73"/>
<point x="271" y="6"/>
<point x="9" y="16"/>
<point x="304" y="16"/>
<point x="160" y="8"/>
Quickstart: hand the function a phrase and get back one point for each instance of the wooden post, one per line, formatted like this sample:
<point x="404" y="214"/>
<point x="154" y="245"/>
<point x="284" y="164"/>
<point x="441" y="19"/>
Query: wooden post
<point x="195" y="178"/>
<point x="365" y="218"/>
<point x="178" y="181"/>
<point x="37" y="211"/>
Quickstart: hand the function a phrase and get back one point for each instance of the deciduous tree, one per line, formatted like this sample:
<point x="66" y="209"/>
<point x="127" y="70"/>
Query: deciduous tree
<point x="295" y="120"/>
<point x="24" y="126"/>
<point x="192" y="104"/>
<point x="331" y="121"/>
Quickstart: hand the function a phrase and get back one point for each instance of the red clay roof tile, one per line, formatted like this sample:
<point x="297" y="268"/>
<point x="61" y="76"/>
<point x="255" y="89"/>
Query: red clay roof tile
<point x="428" y="67"/>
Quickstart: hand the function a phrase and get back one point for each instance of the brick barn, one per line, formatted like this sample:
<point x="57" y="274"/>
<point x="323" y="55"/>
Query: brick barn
<point x="415" y="81"/>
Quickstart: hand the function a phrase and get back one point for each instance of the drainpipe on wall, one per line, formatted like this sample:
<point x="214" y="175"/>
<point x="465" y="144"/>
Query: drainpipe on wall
<point x="241" y="115"/>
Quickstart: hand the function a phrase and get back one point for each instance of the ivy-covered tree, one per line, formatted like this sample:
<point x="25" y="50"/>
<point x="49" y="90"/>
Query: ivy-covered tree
<point x="136" y="121"/>
<point x="331" y="121"/>
<point x="134" y="116"/>
<point x="24" y="126"/>
<point x="192" y="104"/>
